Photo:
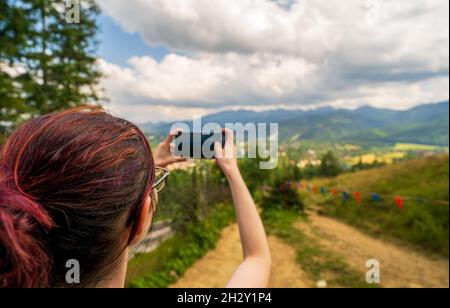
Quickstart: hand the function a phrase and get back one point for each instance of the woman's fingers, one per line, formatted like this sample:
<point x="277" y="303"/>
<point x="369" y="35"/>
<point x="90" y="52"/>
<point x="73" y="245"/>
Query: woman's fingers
<point x="229" y="137"/>
<point x="172" y="136"/>
<point x="172" y="148"/>
<point x="229" y="149"/>
<point x="218" y="150"/>
<point x="178" y="159"/>
<point x="175" y="158"/>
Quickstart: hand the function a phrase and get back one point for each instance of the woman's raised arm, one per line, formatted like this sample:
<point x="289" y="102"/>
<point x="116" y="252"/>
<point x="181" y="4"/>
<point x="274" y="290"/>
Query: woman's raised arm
<point x="254" y="271"/>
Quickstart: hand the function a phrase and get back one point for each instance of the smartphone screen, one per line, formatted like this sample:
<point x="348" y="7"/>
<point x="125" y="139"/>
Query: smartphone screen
<point x="197" y="145"/>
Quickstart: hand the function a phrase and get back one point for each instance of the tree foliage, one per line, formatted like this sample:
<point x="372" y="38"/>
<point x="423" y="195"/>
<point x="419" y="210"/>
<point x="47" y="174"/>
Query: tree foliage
<point x="46" y="63"/>
<point x="330" y="165"/>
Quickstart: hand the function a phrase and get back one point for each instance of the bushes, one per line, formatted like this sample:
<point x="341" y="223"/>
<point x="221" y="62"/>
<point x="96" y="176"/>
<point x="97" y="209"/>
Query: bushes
<point x="191" y="193"/>
<point x="179" y="253"/>
<point x="284" y="195"/>
<point x="330" y="166"/>
<point x="274" y="189"/>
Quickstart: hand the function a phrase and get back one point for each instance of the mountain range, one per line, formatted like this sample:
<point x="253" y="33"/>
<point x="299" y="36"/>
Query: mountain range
<point x="424" y="124"/>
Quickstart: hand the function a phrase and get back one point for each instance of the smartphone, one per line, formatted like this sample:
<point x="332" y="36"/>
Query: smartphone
<point x="198" y="145"/>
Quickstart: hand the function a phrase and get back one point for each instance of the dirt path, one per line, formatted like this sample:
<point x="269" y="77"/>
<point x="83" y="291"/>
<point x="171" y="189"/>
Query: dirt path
<point x="400" y="267"/>
<point x="216" y="267"/>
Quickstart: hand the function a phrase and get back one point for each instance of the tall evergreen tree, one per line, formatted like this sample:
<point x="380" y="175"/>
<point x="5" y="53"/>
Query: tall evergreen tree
<point x="13" y="40"/>
<point x="53" y="60"/>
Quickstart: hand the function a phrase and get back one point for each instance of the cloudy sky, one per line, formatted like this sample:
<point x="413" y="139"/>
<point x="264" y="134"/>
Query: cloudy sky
<point x="168" y="60"/>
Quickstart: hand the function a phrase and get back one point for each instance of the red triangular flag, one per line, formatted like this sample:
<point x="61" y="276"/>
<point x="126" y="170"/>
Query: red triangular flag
<point x="400" y="202"/>
<point x="358" y="197"/>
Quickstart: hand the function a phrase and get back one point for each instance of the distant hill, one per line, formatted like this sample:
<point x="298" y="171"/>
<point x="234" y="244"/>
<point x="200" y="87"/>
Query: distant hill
<point x="425" y="124"/>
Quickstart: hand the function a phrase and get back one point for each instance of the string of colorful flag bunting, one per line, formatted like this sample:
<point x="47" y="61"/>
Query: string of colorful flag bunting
<point x="358" y="197"/>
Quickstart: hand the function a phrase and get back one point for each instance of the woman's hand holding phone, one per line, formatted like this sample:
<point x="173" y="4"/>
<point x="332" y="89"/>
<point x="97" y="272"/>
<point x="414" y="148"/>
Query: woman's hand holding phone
<point x="163" y="155"/>
<point x="226" y="157"/>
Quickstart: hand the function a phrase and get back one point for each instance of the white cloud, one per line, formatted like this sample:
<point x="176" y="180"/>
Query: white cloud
<point x="290" y="52"/>
<point x="145" y="113"/>
<point x="243" y="26"/>
<point x="212" y="79"/>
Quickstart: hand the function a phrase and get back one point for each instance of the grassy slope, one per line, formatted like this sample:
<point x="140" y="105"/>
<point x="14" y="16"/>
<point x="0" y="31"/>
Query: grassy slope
<point x="423" y="224"/>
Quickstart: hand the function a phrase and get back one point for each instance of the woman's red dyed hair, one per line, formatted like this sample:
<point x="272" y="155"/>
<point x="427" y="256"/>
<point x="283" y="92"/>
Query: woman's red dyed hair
<point x="70" y="184"/>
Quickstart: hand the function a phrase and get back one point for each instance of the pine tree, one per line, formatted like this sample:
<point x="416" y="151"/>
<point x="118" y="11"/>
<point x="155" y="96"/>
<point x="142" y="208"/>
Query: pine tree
<point x="13" y="40"/>
<point x="56" y="58"/>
